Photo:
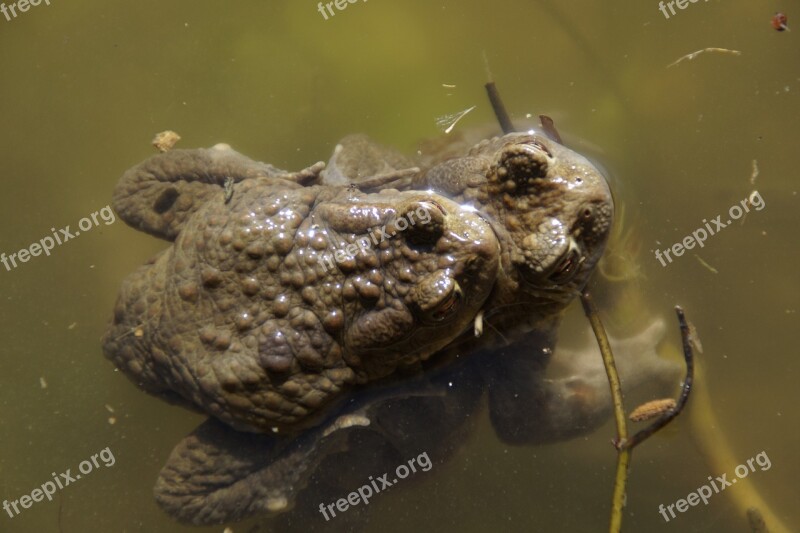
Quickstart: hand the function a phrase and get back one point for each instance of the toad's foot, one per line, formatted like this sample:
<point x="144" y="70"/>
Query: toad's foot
<point x="580" y="401"/>
<point x="636" y="358"/>
<point x="218" y="475"/>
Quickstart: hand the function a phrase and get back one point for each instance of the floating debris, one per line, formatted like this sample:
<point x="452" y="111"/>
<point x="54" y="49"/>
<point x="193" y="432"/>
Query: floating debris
<point x="779" y="22"/>
<point x="42" y="382"/>
<point x="448" y="122"/>
<point x="164" y="141"/>
<point x="112" y="420"/>
<point x="712" y="269"/>
<point x="72" y="326"/>
<point x="448" y="86"/>
<point x="754" y="174"/>
<point x="652" y="409"/>
<point x="695" y="54"/>
<point x="109" y="408"/>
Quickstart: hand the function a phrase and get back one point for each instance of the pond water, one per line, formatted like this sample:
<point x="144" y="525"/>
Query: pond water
<point x="86" y="85"/>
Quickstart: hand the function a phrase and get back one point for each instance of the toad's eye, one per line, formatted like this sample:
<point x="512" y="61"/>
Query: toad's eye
<point x="448" y="305"/>
<point x="437" y="297"/>
<point x="567" y="266"/>
<point x="551" y="258"/>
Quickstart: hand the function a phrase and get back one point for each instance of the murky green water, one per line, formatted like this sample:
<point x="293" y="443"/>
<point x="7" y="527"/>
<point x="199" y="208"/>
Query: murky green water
<point x="85" y="86"/>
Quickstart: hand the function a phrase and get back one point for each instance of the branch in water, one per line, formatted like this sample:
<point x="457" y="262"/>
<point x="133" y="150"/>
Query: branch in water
<point x="624" y="445"/>
<point x="549" y="128"/>
<point x="667" y="417"/>
<point x="499" y="108"/>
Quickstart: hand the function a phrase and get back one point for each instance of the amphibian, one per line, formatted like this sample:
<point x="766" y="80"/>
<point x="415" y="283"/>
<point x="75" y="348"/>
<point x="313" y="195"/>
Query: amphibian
<point x="246" y="316"/>
<point x="319" y="371"/>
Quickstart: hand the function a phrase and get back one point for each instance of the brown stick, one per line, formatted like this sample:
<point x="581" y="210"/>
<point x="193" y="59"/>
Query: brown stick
<point x="499" y="108"/>
<point x="667" y="417"/>
<point x="549" y="128"/>
<point x="624" y="445"/>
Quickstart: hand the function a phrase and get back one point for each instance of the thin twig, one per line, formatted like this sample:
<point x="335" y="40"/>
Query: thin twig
<point x="499" y="108"/>
<point x="608" y="361"/>
<point x="624" y="445"/>
<point x="549" y="128"/>
<point x="667" y="417"/>
<point x="623" y="454"/>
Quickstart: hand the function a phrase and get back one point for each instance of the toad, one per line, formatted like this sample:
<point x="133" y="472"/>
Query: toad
<point x="550" y="208"/>
<point x="319" y="373"/>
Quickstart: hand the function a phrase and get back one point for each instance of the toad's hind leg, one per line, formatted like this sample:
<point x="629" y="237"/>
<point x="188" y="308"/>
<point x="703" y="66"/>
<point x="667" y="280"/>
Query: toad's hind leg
<point x="158" y="195"/>
<point x="218" y="475"/>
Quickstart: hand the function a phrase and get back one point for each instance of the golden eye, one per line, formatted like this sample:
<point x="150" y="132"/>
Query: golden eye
<point x="449" y="305"/>
<point x="437" y="297"/>
<point x="567" y="267"/>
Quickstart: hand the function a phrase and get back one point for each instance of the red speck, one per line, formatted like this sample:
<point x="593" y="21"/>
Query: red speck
<point x="779" y="22"/>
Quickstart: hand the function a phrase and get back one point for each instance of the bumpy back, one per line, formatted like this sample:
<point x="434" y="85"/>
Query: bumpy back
<point x="272" y="302"/>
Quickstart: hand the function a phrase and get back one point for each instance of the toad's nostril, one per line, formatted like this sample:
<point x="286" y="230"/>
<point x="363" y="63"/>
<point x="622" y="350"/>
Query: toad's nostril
<point x="522" y="165"/>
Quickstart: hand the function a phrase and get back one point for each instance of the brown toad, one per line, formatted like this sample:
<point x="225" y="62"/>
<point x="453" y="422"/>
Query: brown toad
<point x="270" y="306"/>
<point x="549" y="206"/>
<point x="542" y="215"/>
